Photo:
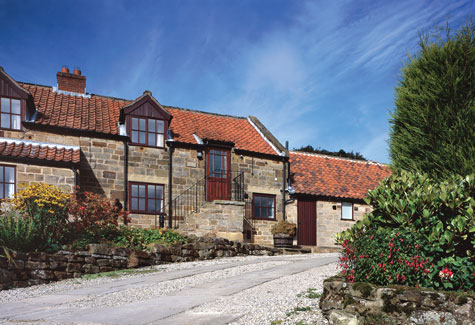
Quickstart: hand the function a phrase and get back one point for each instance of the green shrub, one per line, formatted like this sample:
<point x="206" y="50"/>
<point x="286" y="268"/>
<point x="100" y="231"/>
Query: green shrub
<point x="131" y="237"/>
<point x="437" y="217"/>
<point x="18" y="233"/>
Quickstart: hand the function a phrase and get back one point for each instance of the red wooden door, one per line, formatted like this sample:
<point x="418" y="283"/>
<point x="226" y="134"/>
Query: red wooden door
<point x="307" y="222"/>
<point x="218" y="185"/>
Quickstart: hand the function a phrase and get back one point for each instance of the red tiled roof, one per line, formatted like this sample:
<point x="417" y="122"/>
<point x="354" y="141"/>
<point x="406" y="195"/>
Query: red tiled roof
<point x="41" y="151"/>
<point x="101" y="114"/>
<point x="328" y="176"/>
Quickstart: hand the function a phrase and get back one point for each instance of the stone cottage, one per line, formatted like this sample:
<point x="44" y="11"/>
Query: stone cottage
<point x="329" y="193"/>
<point x="202" y="173"/>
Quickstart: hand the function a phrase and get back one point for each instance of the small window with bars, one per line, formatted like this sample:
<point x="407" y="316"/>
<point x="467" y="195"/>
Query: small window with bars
<point x="147" y="131"/>
<point x="263" y="206"/>
<point x="10" y="116"/>
<point x="7" y="181"/>
<point x="146" y="198"/>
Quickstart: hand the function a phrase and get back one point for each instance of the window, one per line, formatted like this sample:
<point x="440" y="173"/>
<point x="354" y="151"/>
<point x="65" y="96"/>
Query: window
<point x="218" y="165"/>
<point x="346" y="211"/>
<point x="263" y="206"/>
<point x="10" y="117"/>
<point x="7" y="181"/>
<point x="147" y="131"/>
<point x="146" y="198"/>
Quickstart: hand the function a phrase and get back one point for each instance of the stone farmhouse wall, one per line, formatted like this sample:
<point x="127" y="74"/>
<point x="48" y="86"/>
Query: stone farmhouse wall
<point x="362" y="303"/>
<point x="39" y="268"/>
<point x="101" y="171"/>
<point x="329" y="220"/>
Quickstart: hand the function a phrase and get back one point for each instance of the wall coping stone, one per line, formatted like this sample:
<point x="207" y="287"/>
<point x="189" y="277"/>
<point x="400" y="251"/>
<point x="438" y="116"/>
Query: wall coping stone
<point x="357" y="303"/>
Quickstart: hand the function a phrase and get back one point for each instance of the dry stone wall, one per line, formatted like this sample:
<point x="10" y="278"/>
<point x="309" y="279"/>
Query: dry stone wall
<point x="34" y="268"/>
<point x="361" y="303"/>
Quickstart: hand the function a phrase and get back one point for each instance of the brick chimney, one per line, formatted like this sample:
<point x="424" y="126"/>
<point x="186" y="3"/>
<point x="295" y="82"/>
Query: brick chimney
<point x="73" y="82"/>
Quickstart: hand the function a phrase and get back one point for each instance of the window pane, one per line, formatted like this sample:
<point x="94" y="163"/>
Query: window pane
<point x="159" y="192"/>
<point x="16" y="106"/>
<point x="346" y="211"/>
<point x="135" y="123"/>
<point x="160" y="126"/>
<point x="141" y="190"/>
<point x="267" y="213"/>
<point x="257" y="212"/>
<point x="135" y="190"/>
<point x="135" y="136"/>
<point x="9" y="190"/>
<point x="5" y="121"/>
<point x="159" y="142"/>
<point x="151" y="125"/>
<point x="16" y="120"/>
<point x="142" y="126"/>
<point x="142" y="204"/>
<point x="1" y="173"/>
<point x="5" y="105"/>
<point x="151" y="192"/>
<point x="151" y="139"/>
<point x="151" y="205"/>
<point x="142" y="137"/>
<point x="159" y="206"/>
<point x="1" y="192"/>
<point x="135" y="204"/>
<point x="9" y="175"/>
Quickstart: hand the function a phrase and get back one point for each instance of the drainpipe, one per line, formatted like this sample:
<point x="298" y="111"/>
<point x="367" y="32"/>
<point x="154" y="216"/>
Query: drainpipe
<point x="284" y="181"/>
<point x="126" y="175"/>
<point x="170" y="184"/>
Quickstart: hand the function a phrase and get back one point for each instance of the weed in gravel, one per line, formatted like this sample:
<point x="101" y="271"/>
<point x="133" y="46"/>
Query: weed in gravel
<point x="313" y="294"/>
<point x="115" y="274"/>
<point x="296" y="310"/>
<point x="276" y="322"/>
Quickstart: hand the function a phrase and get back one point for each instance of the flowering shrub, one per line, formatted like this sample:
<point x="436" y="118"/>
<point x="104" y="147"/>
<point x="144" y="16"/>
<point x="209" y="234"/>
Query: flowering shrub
<point x="91" y="215"/>
<point x="47" y="206"/>
<point x="385" y="257"/>
<point x="420" y="233"/>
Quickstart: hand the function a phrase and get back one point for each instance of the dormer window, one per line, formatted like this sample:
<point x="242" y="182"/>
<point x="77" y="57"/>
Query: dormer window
<point x="10" y="117"/>
<point x="147" y="131"/>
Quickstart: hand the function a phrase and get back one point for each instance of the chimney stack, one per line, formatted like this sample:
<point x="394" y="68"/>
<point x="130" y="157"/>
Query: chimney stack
<point x="73" y="82"/>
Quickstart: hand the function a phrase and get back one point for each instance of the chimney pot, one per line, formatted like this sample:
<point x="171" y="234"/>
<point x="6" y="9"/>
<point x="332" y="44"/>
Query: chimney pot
<point x="65" y="69"/>
<point x="77" y="71"/>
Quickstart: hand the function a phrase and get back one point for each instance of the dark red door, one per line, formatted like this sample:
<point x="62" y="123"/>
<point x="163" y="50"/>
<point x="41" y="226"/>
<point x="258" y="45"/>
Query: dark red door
<point x="218" y="185"/>
<point x="307" y="222"/>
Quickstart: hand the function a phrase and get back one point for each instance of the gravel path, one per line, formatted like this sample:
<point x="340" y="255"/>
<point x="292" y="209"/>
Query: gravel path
<point x="284" y="299"/>
<point x="278" y="300"/>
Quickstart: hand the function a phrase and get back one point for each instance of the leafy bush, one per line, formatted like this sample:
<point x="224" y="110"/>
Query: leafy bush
<point x="47" y="207"/>
<point x="438" y="217"/>
<point x="131" y="237"/>
<point x="18" y="233"/>
<point x="284" y="227"/>
<point x="91" y="215"/>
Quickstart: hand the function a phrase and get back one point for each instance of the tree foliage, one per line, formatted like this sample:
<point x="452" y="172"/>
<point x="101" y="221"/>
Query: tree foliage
<point x="340" y="153"/>
<point x="433" y="125"/>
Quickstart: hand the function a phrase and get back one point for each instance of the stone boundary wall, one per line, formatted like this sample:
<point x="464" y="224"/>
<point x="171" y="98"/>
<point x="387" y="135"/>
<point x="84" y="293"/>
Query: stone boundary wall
<point x="362" y="303"/>
<point x="39" y="268"/>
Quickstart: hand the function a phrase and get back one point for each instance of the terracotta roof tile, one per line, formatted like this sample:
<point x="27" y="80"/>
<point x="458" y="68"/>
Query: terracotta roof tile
<point x="101" y="114"/>
<point x="37" y="150"/>
<point x="329" y="176"/>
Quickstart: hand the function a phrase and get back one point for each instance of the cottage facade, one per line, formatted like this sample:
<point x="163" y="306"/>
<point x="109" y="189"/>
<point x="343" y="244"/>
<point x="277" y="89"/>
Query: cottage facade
<point x="199" y="172"/>
<point x="329" y="196"/>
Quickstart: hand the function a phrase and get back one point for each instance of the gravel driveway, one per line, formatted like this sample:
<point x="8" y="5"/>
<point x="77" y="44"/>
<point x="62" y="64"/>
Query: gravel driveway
<point x="238" y="290"/>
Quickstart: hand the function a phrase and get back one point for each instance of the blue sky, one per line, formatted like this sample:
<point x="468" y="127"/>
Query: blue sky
<point x="314" y="72"/>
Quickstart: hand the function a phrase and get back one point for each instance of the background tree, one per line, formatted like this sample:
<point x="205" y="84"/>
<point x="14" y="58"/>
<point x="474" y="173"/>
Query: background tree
<point x="433" y="125"/>
<point x="340" y="153"/>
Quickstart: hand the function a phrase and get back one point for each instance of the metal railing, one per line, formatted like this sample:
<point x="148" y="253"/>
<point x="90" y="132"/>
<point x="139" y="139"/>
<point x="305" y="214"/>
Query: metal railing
<point x="209" y="189"/>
